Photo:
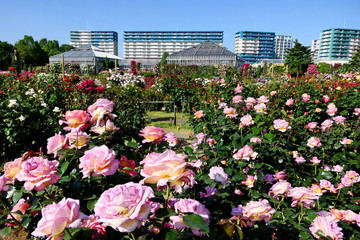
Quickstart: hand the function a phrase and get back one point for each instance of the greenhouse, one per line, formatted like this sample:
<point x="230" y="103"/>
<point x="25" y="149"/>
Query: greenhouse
<point x="85" y="56"/>
<point x="205" y="54"/>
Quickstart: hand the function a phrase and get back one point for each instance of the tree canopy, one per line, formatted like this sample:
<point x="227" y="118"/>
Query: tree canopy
<point x="6" y="53"/>
<point x="298" y="59"/>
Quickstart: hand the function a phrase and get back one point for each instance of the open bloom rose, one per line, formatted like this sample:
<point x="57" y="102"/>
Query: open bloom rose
<point x="152" y="134"/>
<point x="21" y="206"/>
<point x="289" y="102"/>
<point x="250" y="102"/>
<point x="3" y="184"/>
<point x="108" y="126"/>
<point x="98" y="161"/>
<point x="317" y="110"/>
<point x="315" y="160"/>
<point x="189" y="206"/>
<point x="331" y="111"/>
<point x="199" y="114"/>
<point x="125" y="207"/>
<point x="78" y="139"/>
<point x="101" y="109"/>
<point x="263" y="99"/>
<point x="218" y="175"/>
<point x="230" y="112"/>
<point x="255" y="140"/>
<point x="326" y="125"/>
<point x="76" y="120"/>
<point x="273" y="93"/>
<point x="305" y="97"/>
<point x="281" y="125"/>
<point x="166" y="167"/>
<point x="257" y="211"/>
<point x="280" y="189"/>
<point x="260" y="108"/>
<point x="237" y="99"/>
<point x="56" y="143"/>
<point x="299" y="159"/>
<point x="11" y="169"/>
<point x="312" y="126"/>
<point x="303" y="195"/>
<point x="280" y="175"/>
<point x="58" y="216"/>
<point x="357" y="111"/>
<point x="339" y="120"/>
<point x="314" y="142"/>
<point x="38" y="173"/>
<point x="246" y="153"/>
<point x="246" y="121"/>
<point x="171" y="139"/>
<point x="346" y="141"/>
<point x="347" y="216"/>
<point x="249" y="182"/>
<point x="327" y="225"/>
<point x="326" y="99"/>
<point x="238" y="89"/>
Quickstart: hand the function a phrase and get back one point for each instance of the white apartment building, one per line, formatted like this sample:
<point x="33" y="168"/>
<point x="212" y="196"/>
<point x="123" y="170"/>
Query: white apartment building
<point x="152" y="44"/>
<point x="282" y="43"/>
<point x="315" y="48"/>
<point x="105" y="41"/>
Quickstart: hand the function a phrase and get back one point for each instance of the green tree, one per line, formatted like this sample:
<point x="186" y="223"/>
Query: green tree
<point x="30" y="52"/>
<point x="6" y="52"/>
<point x="65" y="47"/>
<point x="163" y="59"/>
<point x="298" y="59"/>
<point x="355" y="61"/>
<point x="323" y="67"/>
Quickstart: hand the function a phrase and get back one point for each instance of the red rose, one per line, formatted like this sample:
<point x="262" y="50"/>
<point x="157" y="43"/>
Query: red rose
<point x="12" y="68"/>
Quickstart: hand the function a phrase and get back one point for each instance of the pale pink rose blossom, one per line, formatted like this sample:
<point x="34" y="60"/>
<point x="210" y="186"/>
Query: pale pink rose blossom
<point x="263" y="99"/>
<point x="11" y="169"/>
<point x="289" y="102"/>
<point x="346" y="141"/>
<point x="326" y="168"/>
<point x="38" y="173"/>
<point x="3" y="184"/>
<point x="312" y="126"/>
<point x="250" y="180"/>
<point x="250" y="102"/>
<point x="125" y="207"/>
<point x="238" y="192"/>
<point x="303" y="195"/>
<point x="299" y="159"/>
<point x="357" y="111"/>
<point x="326" y="99"/>
<point x="347" y="216"/>
<point x="273" y="93"/>
<point x="171" y="139"/>
<point x="315" y="160"/>
<point x="317" y="189"/>
<point x="280" y="175"/>
<point x="339" y="120"/>
<point x="189" y="206"/>
<point x="246" y="153"/>
<point x="326" y="125"/>
<point x="152" y="134"/>
<point x="257" y="211"/>
<point x="56" y="143"/>
<point x="200" y="137"/>
<point x="260" y="108"/>
<point x="196" y="164"/>
<point x="58" y="216"/>
<point x="210" y="141"/>
<point x="230" y="112"/>
<point x="78" y="139"/>
<point x="166" y="168"/>
<point x="237" y="99"/>
<point x="313" y="142"/>
<point x="222" y="105"/>
<point x="100" y="111"/>
<point x="317" y="110"/>
<point x="21" y="206"/>
<point x="326" y="224"/>
<point x="238" y="89"/>
<point x="305" y="97"/>
<point x="281" y="125"/>
<point x="98" y="161"/>
<point x="76" y="120"/>
<point x="255" y="140"/>
<point x="246" y="121"/>
<point x="199" y="114"/>
<point x="331" y="105"/>
<point x="325" y="184"/>
<point x="218" y="175"/>
<point x="337" y="168"/>
<point x="101" y="129"/>
<point x="280" y="189"/>
<point x="209" y="192"/>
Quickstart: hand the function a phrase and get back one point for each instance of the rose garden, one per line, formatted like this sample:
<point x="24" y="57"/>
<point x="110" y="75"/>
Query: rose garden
<point x="270" y="157"/>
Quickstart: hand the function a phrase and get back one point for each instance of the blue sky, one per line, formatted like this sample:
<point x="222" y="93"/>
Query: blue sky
<point x="54" y="19"/>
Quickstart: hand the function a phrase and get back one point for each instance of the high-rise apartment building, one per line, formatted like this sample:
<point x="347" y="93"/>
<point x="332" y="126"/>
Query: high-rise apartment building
<point x="338" y="43"/>
<point x="255" y="46"/>
<point x="106" y="41"/>
<point x="315" y="48"/>
<point x="282" y="43"/>
<point x="152" y="44"/>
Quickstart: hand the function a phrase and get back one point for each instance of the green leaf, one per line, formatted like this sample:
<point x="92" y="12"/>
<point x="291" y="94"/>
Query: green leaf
<point x="171" y="235"/>
<point x="17" y="195"/>
<point x="5" y="231"/>
<point x="132" y="144"/>
<point x="327" y="175"/>
<point x="63" y="167"/>
<point x="353" y="207"/>
<point x="196" y="222"/>
<point x="269" y="136"/>
<point x="91" y="204"/>
<point x="164" y="212"/>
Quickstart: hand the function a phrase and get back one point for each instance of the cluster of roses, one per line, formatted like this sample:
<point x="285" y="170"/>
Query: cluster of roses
<point x="89" y="86"/>
<point x="156" y="135"/>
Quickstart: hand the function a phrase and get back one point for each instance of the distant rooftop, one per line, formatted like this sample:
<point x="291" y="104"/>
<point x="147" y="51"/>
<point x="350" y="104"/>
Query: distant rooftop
<point x="204" y="49"/>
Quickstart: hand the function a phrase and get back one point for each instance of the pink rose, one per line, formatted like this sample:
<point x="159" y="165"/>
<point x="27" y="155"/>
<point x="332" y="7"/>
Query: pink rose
<point x="250" y="180"/>
<point x="280" y="189"/>
<point x="315" y="160"/>
<point x="78" y="139"/>
<point x="189" y="206"/>
<point x="98" y="161"/>
<point x="260" y="108"/>
<point x="281" y="125"/>
<point x="303" y="195"/>
<point x="171" y="139"/>
<point x="3" y="184"/>
<point x="210" y="141"/>
<point x="299" y="159"/>
<point x="200" y="137"/>
<point x="312" y="126"/>
<point x="305" y="97"/>
<point x="152" y="134"/>
<point x="313" y="142"/>
<point x="339" y="120"/>
<point x="331" y="111"/>
<point x="347" y="216"/>
<point x="257" y="211"/>
<point x="289" y="102"/>
<point x="245" y="153"/>
<point x="357" y="111"/>
<point x="246" y="120"/>
<point x="125" y="207"/>
<point x="167" y="167"/>
<point x="238" y="89"/>
<point x="218" y="175"/>
<point x="101" y="129"/>
<point x="273" y="93"/>
<point x="199" y="114"/>
<point x="326" y="125"/>
<point x="255" y="140"/>
<point x="326" y="224"/>
<point x="325" y="184"/>
<point x="337" y="168"/>
<point x="58" y="216"/>
<point x="237" y="99"/>
<point x="230" y="112"/>
<point x="346" y="141"/>
<point x="326" y="99"/>
<point x="11" y="169"/>
<point x="76" y="119"/>
<point x="38" y="173"/>
<point x="56" y="143"/>
<point x="101" y="109"/>
<point x="317" y="110"/>
<point x="280" y="175"/>
<point x="263" y="99"/>
<point x="250" y="102"/>
<point x="93" y="223"/>
<point x="21" y="206"/>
